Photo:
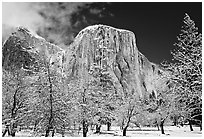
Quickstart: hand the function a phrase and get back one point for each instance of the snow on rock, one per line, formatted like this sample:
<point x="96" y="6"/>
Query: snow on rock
<point x="24" y="49"/>
<point x="132" y="73"/>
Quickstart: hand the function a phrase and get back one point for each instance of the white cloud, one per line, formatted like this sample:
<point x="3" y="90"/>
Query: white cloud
<point x="16" y="14"/>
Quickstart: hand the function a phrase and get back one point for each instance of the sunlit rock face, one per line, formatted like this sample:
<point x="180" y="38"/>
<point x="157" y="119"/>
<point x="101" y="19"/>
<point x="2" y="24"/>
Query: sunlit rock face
<point x="28" y="51"/>
<point x="112" y="49"/>
<point x="116" y="51"/>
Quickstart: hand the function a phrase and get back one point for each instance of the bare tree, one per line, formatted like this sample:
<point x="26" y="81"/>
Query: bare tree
<point x="50" y="102"/>
<point x="129" y="106"/>
<point x="15" y="88"/>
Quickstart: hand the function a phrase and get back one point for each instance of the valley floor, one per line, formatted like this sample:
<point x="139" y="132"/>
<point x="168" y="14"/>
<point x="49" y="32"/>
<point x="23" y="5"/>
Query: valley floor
<point x="151" y="131"/>
<point x="171" y="131"/>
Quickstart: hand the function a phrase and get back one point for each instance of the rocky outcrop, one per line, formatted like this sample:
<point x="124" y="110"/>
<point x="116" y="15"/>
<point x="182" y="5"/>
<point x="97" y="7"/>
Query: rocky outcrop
<point x="131" y="71"/>
<point x="113" y="49"/>
<point x="28" y="51"/>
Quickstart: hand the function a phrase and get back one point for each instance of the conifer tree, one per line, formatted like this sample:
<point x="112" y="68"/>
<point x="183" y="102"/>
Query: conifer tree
<point x="187" y="71"/>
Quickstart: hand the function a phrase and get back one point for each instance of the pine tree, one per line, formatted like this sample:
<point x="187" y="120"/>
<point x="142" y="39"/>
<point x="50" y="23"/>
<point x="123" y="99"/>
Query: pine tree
<point x="187" y="71"/>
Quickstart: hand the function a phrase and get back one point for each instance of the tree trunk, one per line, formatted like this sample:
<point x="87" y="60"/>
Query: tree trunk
<point x="98" y="128"/>
<point x="13" y="134"/>
<point x="108" y="126"/>
<point x="53" y="133"/>
<point x="62" y="133"/>
<point x="162" y="127"/>
<point x="174" y="123"/>
<point x="13" y="129"/>
<point x="190" y="125"/>
<point x="84" y="133"/>
<point x="79" y="129"/>
<point x="201" y="126"/>
<point x="92" y="127"/>
<point x="6" y="130"/>
<point x="35" y="126"/>
<point x="84" y="121"/>
<point x="51" y="118"/>
<point x="121" y="127"/>
<point x="13" y="115"/>
<point x="74" y="125"/>
<point x="63" y="130"/>
<point x="4" y="133"/>
<point x="128" y="121"/>
<point x="125" y="130"/>
<point x="175" y="120"/>
<point x="85" y="128"/>
<point x="157" y="126"/>
<point x="47" y="132"/>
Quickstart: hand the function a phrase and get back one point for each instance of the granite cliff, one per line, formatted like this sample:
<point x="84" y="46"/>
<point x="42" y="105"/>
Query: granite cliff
<point x="131" y="71"/>
<point x="114" y="49"/>
<point x="26" y="50"/>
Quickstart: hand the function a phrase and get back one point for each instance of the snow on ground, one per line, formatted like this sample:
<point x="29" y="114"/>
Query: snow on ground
<point x="171" y="131"/>
<point x="152" y="131"/>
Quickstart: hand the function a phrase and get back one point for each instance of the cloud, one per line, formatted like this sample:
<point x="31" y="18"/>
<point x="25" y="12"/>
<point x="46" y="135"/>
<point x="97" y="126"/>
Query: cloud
<point x="57" y="22"/>
<point x="29" y="15"/>
<point x="16" y="14"/>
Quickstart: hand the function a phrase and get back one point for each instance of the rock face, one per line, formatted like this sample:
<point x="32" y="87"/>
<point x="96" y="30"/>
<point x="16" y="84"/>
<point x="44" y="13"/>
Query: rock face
<point x="111" y="48"/>
<point x="116" y="50"/>
<point x="26" y="50"/>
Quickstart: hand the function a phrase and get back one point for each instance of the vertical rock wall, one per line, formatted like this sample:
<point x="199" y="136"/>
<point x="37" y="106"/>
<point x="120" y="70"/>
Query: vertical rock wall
<point x="131" y="71"/>
<point x="113" y="49"/>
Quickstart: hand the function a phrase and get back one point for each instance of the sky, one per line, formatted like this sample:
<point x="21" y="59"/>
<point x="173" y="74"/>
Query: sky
<point x="155" y="25"/>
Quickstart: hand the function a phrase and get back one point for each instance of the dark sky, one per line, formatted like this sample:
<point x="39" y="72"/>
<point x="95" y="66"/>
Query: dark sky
<point x="155" y="25"/>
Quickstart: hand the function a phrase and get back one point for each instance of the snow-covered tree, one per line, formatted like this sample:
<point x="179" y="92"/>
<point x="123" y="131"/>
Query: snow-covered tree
<point x="15" y="99"/>
<point x="187" y="72"/>
<point x="160" y="108"/>
<point x="102" y="96"/>
<point x="129" y="108"/>
<point x="49" y="103"/>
